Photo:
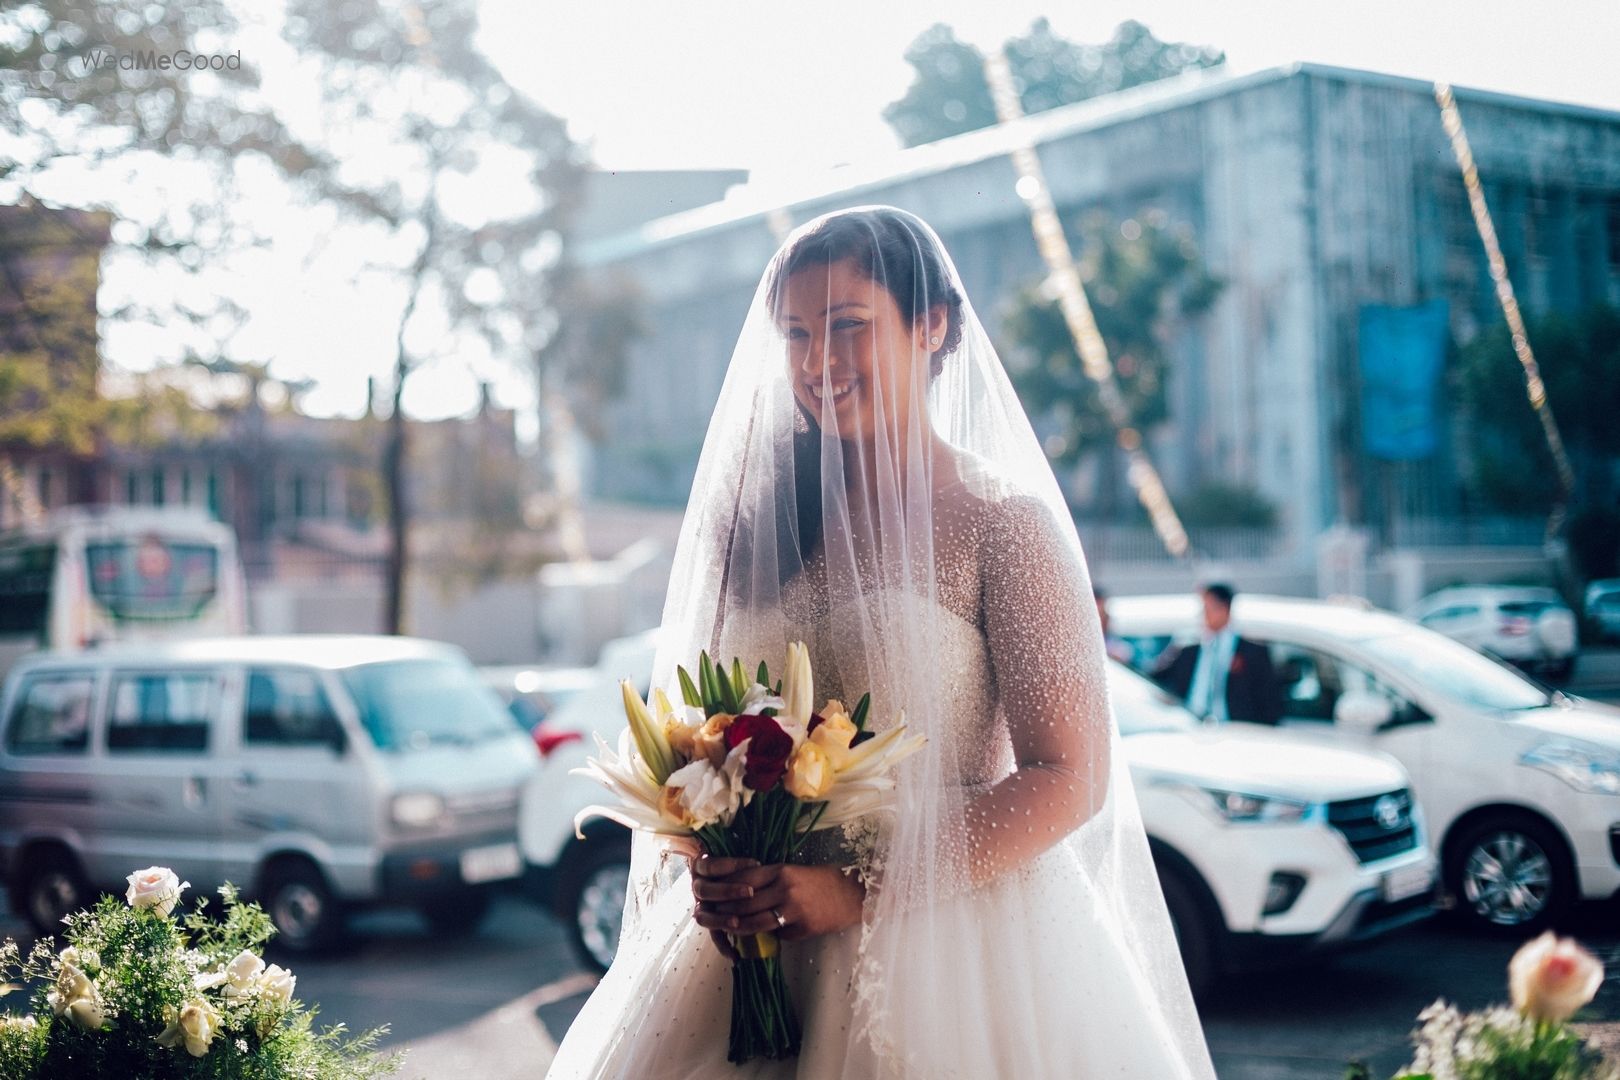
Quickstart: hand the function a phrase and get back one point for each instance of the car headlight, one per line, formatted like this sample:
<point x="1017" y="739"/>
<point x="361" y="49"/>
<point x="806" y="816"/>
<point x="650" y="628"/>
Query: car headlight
<point x="417" y="809"/>
<point x="1584" y="768"/>
<point x="1240" y="808"/>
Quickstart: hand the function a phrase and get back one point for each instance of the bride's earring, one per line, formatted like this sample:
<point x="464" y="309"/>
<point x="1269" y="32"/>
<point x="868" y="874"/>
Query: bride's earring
<point x="933" y="341"/>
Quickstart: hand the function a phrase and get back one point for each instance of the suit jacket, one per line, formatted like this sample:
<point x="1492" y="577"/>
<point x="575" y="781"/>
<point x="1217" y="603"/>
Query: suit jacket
<point x="1252" y="692"/>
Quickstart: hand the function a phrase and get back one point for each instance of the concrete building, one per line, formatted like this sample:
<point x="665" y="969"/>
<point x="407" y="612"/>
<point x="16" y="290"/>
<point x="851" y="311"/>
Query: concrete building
<point x="1314" y="193"/>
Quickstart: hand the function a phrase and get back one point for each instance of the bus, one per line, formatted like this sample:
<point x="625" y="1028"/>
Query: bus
<point x="87" y="575"/>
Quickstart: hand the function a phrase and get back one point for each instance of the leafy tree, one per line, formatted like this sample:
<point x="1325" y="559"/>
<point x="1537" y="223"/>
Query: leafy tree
<point x="81" y="108"/>
<point x="1143" y="278"/>
<point x="949" y="93"/>
<point x="1578" y="355"/>
<point x="469" y="256"/>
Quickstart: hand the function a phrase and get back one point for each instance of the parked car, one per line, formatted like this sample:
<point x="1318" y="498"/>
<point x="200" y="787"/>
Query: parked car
<point x="532" y="693"/>
<point x="1602" y="608"/>
<point x="582" y="881"/>
<point x="1267" y="846"/>
<point x="1527" y="626"/>
<point x="318" y="772"/>
<point x="1520" y="784"/>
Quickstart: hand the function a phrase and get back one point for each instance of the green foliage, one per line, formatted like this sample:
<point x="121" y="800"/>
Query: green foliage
<point x="1578" y="356"/>
<point x="1497" y="1044"/>
<point x="949" y="94"/>
<point x="1143" y="277"/>
<point x="143" y="969"/>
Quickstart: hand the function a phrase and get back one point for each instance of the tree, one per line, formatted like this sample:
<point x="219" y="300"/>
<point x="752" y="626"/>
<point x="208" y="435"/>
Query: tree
<point x="1579" y="355"/>
<point x="468" y="185"/>
<point x="1144" y="279"/>
<point x="949" y="93"/>
<point x="92" y="92"/>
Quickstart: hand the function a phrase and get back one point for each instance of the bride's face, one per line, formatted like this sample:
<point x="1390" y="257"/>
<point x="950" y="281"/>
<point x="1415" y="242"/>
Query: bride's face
<point x="854" y="359"/>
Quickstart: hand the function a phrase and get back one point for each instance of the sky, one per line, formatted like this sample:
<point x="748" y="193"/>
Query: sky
<point x="779" y="87"/>
<point x="775" y="86"/>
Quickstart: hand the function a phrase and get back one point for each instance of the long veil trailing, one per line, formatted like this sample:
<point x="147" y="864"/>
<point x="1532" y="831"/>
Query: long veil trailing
<point x="871" y="485"/>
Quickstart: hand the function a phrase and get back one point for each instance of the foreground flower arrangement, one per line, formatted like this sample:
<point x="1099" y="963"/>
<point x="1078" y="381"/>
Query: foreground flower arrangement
<point x="139" y="993"/>
<point x="1550" y="979"/>
<point x="750" y="771"/>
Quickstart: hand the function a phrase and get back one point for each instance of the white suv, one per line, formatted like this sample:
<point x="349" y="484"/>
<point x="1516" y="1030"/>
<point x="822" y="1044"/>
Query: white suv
<point x="1520" y="785"/>
<point x="1530" y="627"/>
<point x="1267" y="846"/>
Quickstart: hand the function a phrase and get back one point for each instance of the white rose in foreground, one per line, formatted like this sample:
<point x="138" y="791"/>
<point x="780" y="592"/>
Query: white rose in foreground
<point x="276" y="984"/>
<point x="242" y="974"/>
<point x="1551" y="978"/>
<point x="155" y="887"/>
<point x="196" y="1025"/>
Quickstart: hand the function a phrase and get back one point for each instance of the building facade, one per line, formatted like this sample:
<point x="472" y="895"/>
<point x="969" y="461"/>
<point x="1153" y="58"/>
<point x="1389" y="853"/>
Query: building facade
<point x="1313" y="193"/>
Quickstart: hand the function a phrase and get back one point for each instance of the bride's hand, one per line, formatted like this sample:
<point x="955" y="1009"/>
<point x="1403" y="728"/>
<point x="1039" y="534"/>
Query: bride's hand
<point x="738" y="896"/>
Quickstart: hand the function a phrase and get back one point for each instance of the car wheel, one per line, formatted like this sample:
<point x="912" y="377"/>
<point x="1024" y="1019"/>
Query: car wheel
<point x="457" y="914"/>
<point x="1193" y="929"/>
<point x="591" y="899"/>
<point x="307" y="916"/>
<point x="50" y="886"/>
<point x="1510" y="874"/>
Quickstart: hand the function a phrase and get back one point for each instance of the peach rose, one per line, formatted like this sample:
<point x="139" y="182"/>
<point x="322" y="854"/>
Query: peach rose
<point x="710" y="741"/>
<point x="155" y="887"/>
<point x="810" y="772"/>
<point x="1551" y="978"/>
<point x="834" y="734"/>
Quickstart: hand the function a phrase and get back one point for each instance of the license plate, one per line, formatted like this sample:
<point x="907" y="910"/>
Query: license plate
<point x="493" y="863"/>
<point x="1406" y="882"/>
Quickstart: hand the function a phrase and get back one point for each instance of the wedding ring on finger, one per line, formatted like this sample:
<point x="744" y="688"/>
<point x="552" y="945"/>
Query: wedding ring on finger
<point x="781" y="920"/>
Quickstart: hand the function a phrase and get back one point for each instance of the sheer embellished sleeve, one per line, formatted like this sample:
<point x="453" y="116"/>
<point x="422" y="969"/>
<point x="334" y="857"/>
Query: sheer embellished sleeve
<point x="1047" y="653"/>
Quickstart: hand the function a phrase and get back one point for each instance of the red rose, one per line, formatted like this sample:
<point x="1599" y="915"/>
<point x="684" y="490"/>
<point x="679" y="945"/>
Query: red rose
<point x="1237" y="665"/>
<point x="768" y="751"/>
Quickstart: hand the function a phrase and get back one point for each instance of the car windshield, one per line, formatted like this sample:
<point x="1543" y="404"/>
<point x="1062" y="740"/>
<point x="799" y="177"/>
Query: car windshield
<point x="406" y="704"/>
<point x="1140" y="706"/>
<point x="1449" y="668"/>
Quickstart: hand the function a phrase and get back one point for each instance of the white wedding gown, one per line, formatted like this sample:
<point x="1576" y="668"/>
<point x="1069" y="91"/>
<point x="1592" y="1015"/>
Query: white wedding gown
<point x="1056" y="992"/>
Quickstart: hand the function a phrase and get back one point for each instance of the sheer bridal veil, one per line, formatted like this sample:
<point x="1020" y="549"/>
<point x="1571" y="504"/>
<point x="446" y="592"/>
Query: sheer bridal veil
<point x="871" y="485"/>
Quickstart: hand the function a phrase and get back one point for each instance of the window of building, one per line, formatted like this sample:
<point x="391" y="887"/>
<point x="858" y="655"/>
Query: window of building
<point x="158" y="490"/>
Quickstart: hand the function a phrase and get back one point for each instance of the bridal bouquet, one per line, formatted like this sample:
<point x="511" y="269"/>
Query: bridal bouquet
<point x="750" y="771"/>
<point x="1550" y="979"/>
<point x="138" y="993"/>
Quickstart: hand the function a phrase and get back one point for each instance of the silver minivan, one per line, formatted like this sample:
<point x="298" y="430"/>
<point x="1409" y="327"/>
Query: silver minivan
<point x="318" y="772"/>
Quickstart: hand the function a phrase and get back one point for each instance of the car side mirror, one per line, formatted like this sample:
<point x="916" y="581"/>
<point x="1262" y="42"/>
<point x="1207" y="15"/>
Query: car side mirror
<point x="1362" y="712"/>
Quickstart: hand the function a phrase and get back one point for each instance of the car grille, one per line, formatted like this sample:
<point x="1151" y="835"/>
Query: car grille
<point x="1377" y="826"/>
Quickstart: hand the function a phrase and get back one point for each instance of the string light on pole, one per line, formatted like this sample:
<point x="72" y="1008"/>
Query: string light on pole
<point x="1535" y="388"/>
<point x="1065" y="280"/>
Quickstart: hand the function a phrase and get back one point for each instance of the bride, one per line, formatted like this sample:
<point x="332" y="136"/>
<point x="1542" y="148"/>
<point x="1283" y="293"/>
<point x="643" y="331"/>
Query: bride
<point x="870" y="485"/>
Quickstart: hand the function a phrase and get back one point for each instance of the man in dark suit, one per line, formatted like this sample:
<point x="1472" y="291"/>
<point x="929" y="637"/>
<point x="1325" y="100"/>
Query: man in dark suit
<point x="1222" y="677"/>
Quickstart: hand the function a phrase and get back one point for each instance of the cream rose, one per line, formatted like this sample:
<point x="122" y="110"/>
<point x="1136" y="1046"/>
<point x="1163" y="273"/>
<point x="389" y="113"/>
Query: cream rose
<point x="74" y="997"/>
<point x="242" y="974"/>
<point x="155" y="887"/>
<point x="809" y="772"/>
<point x="196" y="1025"/>
<point x="1551" y="978"/>
<point x="276" y="984"/>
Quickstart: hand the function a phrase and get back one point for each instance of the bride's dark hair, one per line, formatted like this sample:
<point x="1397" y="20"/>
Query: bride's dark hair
<point x="887" y="247"/>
